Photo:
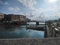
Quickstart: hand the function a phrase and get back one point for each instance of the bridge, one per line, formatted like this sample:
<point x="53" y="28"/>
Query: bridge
<point x="36" y="21"/>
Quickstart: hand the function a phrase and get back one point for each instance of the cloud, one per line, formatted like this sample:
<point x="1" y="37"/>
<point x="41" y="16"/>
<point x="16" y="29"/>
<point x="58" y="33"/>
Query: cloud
<point x="50" y="11"/>
<point x="3" y="3"/>
<point x="28" y="3"/>
<point x="6" y="3"/>
<point x="13" y="9"/>
<point x="45" y="11"/>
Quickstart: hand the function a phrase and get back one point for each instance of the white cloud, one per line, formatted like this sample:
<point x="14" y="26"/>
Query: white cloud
<point x="46" y="12"/>
<point x="51" y="1"/>
<point x="34" y="13"/>
<point x="28" y="3"/>
<point x="15" y="9"/>
<point x="49" y="10"/>
<point x="6" y="3"/>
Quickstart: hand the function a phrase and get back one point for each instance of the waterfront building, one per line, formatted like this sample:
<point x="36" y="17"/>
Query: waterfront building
<point x="22" y="18"/>
<point x="7" y="17"/>
<point x="15" y="18"/>
<point x="1" y="17"/>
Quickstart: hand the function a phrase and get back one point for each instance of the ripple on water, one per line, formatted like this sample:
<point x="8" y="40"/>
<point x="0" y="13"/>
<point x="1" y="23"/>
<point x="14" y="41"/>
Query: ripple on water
<point x="21" y="32"/>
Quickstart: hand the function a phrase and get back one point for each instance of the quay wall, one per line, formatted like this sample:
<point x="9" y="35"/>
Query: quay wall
<point x="26" y="41"/>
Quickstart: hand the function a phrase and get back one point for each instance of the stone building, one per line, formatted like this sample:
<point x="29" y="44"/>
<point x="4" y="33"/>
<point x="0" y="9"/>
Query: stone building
<point x="1" y="17"/>
<point x="15" y="18"/>
<point x="22" y="18"/>
<point x="7" y="17"/>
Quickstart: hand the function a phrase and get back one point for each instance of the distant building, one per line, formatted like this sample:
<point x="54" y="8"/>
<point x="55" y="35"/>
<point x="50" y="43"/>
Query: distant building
<point x="1" y="17"/>
<point x="22" y="18"/>
<point x="54" y="22"/>
<point x="15" y="17"/>
<point x="7" y="17"/>
<point x="28" y="20"/>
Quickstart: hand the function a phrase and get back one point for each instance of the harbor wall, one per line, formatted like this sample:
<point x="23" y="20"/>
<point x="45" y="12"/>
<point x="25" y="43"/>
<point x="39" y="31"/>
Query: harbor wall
<point x="26" y="41"/>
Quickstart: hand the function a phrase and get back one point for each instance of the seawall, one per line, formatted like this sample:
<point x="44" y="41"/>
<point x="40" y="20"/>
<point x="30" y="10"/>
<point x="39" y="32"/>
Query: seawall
<point x="26" y="41"/>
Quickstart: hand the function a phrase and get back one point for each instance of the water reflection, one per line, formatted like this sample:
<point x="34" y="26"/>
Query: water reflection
<point x="19" y="32"/>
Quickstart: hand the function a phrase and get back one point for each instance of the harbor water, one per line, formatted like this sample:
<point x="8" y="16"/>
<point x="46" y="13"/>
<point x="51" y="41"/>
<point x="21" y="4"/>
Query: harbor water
<point x="19" y="32"/>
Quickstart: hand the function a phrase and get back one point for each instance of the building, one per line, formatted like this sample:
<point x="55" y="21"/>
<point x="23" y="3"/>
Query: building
<point x="22" y="18"/>
<point x="15" y="18"/>
<point x="7" y="17"/>
<point x="1" y="17"/>
<point x="28" y="20"/>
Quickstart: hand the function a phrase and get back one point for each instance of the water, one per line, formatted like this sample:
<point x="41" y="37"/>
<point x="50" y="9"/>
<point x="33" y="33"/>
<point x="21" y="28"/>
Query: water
<point x="34" y="23"/>
<point x="20" y="32"/>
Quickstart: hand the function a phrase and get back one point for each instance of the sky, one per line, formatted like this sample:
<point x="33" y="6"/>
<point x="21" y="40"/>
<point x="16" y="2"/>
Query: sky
<point x="33" y="9"/>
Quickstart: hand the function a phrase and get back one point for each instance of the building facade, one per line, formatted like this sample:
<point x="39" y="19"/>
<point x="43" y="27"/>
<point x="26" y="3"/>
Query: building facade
<point x="22" y="18"/>
<point x="1" y="17"/>
<point x="15" y="18"/>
